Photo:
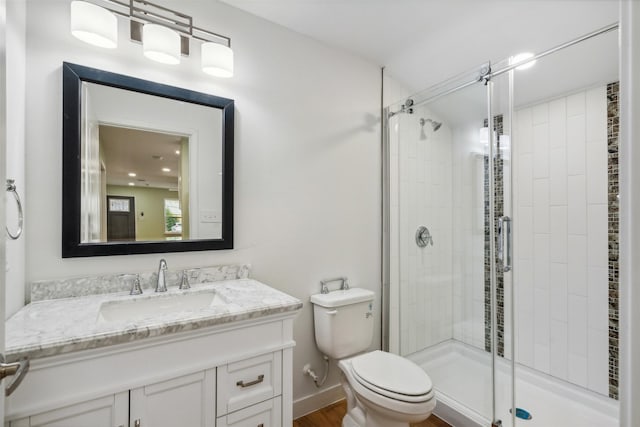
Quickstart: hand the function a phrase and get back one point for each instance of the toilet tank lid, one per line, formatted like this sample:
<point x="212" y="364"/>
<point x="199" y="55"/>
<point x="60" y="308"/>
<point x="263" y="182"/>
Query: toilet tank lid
<point x="342" y="297"/>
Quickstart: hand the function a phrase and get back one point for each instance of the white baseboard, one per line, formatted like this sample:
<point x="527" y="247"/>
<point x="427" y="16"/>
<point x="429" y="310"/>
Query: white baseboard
<point x="313" y="402"/>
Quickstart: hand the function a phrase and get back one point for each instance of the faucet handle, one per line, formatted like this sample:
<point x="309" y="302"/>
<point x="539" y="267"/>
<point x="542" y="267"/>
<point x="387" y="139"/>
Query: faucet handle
<point x="136" y="289"/>
<point x="184" y="283"/>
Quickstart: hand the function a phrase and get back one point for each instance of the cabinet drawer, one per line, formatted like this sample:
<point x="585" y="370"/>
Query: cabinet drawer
<point x="249" y="381"/>
<point x="264" y="414"/>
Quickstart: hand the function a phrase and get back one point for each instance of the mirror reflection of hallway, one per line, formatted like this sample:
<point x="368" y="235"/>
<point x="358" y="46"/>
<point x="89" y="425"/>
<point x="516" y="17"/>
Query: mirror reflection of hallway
<point x="148" y="168"/>
<point x="121" y="218"/>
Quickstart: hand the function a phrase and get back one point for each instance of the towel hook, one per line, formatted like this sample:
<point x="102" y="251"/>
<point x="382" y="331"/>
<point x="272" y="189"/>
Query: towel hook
<point x="11" y="187"/>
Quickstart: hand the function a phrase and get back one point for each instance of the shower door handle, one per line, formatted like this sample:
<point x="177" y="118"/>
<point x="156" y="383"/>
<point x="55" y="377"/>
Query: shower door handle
<point x="504" y="242"/>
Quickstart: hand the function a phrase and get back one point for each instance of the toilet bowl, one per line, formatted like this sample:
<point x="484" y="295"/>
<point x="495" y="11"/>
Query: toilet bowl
<point x="392" y="391"/>
<point x="382" y="389"/>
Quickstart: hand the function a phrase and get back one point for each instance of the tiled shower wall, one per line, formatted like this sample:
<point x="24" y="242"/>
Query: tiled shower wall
<point x="421" y="194"/>
<point x="469" y="154"/>
<point x="561" y="240"/>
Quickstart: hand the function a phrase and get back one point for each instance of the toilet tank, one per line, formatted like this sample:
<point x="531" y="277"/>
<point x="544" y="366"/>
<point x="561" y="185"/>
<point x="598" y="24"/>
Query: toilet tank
<point x="343" y="321"/>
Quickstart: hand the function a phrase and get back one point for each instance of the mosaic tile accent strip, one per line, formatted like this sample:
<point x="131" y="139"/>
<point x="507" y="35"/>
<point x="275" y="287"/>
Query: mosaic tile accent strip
<point x="110" y="283"/>
<point x="498" y="127"/>
<point x="613" y="117"/>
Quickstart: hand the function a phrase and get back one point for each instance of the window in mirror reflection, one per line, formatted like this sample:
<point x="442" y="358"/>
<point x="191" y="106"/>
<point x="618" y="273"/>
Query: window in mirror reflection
<point x="172" y="218"/>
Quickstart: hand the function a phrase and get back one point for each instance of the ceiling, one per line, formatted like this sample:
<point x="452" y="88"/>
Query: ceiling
<point x="144" y="153"/>
<point x="373" y="29"/>
<point x="423" y="42"/>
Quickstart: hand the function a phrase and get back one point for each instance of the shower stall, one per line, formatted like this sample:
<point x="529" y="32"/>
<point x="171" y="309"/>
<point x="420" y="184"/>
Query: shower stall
<point x="500" y="237"/>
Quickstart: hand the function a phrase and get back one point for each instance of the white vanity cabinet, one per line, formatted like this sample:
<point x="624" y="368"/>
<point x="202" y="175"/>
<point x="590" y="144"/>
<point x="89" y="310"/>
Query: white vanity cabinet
<point x="107" y="411"/>
<point x="249" y="392"/>
<point x="182" y="401"/>
<point x="231" y="375"/>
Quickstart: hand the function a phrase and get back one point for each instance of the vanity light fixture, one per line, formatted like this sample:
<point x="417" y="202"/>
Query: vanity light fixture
<point x="217" y="59"/>
<point x="165" y="34"/>
<point x="94" y="25"/>
<point x="161" y="44"/>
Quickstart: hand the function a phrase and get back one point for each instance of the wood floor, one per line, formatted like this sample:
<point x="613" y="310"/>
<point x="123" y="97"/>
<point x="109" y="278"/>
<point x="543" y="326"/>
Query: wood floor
<point x="331" y="416"/>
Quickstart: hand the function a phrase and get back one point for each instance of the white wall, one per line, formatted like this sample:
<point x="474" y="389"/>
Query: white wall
<point x="307" y="145"/>
<point x="561" y="243"/>
<point x="15" y="151"/>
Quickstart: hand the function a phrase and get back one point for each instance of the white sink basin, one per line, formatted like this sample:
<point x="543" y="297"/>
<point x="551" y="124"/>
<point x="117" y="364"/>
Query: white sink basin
<point x="145" y="307"/>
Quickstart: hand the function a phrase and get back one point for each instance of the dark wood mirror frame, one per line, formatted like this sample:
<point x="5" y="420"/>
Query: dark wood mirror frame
<point x="73" y="76"/>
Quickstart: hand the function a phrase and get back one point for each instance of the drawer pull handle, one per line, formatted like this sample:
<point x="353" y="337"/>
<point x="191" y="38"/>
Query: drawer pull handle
<point x="136" y="423"/>
<point x="242" y="384"/>
<point x="260" y="425"/>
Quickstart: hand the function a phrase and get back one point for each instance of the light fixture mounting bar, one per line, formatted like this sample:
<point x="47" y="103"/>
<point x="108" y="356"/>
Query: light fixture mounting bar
<point x="150" y="12"/>
<point x="135" y="33"/>
<point x="165" y="33"/>
<point x="209" y="36"/>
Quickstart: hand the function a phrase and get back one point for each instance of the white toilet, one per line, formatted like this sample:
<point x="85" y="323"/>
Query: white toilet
<point x="383" y="389"/>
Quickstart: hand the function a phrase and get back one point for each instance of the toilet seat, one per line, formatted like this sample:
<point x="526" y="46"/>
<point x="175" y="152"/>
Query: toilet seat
<point x="392" y="376"/>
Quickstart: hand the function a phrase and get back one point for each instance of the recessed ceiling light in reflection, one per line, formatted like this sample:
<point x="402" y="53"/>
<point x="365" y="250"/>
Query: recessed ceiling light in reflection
<point x="522" y="57"/>
<point x="177" y="151"/>
<point x="132" y="174"/>
<point x="166" y="170"/>
<point x="132" y="184"/>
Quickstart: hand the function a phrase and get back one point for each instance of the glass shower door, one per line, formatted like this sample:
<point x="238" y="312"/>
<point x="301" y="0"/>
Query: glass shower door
<point x="443" y="284"/>
<point x="565" y="109"/>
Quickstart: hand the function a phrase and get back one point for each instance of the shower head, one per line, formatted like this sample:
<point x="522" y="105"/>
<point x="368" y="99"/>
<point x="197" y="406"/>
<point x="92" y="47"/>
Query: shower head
<point x="434" y="125"/>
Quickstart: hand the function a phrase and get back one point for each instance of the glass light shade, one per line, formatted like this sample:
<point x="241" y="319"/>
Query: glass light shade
<point x="217" y="59"/>
<point x="94" y="25"/>
<point x="161" y="44"/>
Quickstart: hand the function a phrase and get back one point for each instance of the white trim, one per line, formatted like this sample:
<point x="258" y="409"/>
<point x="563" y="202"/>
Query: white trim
<point x="313" y="402"/>
<point x="455" y="414"/>
<point x="629" y="245"/>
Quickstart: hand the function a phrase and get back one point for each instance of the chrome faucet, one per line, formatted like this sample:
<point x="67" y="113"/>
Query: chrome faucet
<point x="184" y="283"/>
<point x="161" y="286"/>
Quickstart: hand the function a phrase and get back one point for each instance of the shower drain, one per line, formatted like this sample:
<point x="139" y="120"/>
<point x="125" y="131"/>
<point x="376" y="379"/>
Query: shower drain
<point x="522" y="414"/>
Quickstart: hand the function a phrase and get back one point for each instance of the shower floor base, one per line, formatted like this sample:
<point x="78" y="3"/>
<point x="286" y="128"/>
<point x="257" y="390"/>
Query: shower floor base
<point x="462" y="377"/>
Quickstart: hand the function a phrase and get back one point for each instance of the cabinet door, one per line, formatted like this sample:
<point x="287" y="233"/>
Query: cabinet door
<point x="110" y="411"/>
<point x="184" y="401"/>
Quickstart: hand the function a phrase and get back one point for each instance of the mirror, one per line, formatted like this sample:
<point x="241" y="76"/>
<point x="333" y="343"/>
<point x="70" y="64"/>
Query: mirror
<point x="147" y="167"/>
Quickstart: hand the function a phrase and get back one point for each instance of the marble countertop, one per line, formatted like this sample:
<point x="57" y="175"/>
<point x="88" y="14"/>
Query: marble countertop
<point x="57" y="326"/>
